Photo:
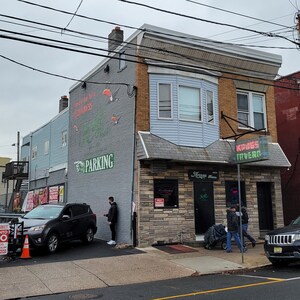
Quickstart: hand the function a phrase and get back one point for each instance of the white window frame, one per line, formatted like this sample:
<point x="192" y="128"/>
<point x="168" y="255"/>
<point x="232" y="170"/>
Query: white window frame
<point x="213" y="108"/>
<point x="251" y="109"/>
<point x="200" y="103"/>
<point x="158" y="101"/>
<point x="34" y="152"/>
<point x="64" y="138"/>
<point x="46" y="147"/>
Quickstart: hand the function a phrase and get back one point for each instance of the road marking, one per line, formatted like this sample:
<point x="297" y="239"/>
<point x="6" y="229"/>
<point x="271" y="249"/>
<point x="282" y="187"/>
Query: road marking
<point x="272" y="280"/>
<point x="294" y="278"/>
<point x="262" y="277"/>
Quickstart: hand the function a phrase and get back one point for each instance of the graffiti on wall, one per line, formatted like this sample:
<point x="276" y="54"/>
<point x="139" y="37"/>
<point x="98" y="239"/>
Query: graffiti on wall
<point x="83" y="105"/>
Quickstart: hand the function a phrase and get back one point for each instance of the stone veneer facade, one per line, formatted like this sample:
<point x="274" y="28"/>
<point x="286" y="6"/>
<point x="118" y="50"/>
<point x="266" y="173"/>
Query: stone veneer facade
<point x="173" y="225"/>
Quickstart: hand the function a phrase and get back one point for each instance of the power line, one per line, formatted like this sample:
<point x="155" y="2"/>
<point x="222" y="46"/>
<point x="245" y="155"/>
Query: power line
<point x="150" y="49"/>
<point x="238" y="14"/>
<point x="74" y="14"/>
<point x="171" y="65"/>
<point x="101" y="37"/>
<point x="61" y="76"/>
<point x="211" y="63"/>
<point x="269" y="34"/>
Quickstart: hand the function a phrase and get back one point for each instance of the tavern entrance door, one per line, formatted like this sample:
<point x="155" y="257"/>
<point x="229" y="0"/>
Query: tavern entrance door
<point x="204" y="206"/>
<point x="264" y="201"/>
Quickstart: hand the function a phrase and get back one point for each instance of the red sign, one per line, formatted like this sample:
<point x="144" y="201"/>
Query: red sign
<point x="4" y="232"/>
<point x="53" y="194"/>
<point x="159" y="202"/>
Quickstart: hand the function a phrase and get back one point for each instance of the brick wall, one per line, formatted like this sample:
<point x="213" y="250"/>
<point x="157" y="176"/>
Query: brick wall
<point x="169" y="225"/>
<point x="228" y="104"/>
<point x="142" y="98"/>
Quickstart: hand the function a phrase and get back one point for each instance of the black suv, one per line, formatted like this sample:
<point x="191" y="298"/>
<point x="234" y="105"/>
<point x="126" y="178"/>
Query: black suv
<point x="48" y="225"/>
<point x="282" y="245"/>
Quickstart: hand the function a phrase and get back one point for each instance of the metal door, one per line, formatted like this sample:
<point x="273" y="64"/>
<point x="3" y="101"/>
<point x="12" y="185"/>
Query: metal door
<point x="204" y="206"/>
<point x="264" y="200"/>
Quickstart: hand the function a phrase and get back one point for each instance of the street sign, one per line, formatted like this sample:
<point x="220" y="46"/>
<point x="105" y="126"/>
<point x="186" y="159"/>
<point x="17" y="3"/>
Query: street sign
<point x="4" y="232"/>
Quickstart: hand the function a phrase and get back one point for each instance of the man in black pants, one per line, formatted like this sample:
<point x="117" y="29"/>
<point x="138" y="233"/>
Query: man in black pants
<point x="112" y="217"/>
<point x="245" y="220"/>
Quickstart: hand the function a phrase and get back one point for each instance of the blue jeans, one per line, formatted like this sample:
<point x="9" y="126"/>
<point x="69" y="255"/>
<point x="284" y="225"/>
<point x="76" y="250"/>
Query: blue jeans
<point x="236" y="237"/>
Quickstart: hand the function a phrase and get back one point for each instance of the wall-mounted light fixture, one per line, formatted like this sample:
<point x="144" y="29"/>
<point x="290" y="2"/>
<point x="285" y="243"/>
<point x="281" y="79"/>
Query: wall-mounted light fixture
<point x="106" y="69"/>
<point x="83" y="85"/>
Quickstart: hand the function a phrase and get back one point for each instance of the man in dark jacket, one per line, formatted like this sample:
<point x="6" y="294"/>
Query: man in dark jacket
<point x="112" y="217"/>
<point x="233" y="230"/>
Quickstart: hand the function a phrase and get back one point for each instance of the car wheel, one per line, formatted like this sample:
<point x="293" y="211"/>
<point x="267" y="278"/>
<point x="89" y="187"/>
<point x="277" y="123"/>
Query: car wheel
<point x="223" y="245"/>
<point x="52" y="242"/>
<point x="89" y="236"/>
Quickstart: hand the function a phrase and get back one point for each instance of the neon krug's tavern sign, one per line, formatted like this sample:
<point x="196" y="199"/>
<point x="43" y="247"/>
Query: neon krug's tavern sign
<point x="251" y="150"/>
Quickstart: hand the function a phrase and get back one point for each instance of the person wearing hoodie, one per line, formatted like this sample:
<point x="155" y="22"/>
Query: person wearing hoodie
<point x="233" y="230"/>
<point x="112" y="217"/>
<point x="245" y="220"/>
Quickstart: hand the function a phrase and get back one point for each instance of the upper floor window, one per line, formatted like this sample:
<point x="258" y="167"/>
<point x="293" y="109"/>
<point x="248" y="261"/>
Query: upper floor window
<point x="46" y="147"/>
<point x="251" y="110"/>
<point x="164" y="101"/>
<point x="34" y="152"/>
<point x="210" y="107"/>
<point x="64" y="138"/>
<point x="189" y="103"/>
<point x="122" y="61"/>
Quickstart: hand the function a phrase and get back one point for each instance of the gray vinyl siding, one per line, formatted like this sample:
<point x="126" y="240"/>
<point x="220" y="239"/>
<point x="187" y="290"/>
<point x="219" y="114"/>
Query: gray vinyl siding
<point x="57" y="151"/>
<point x="57" y="155"/>
<point x="180" y="132"/>
<point x="93" y="134"/>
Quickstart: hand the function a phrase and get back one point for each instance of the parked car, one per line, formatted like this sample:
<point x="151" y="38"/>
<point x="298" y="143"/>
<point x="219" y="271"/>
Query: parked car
<point x="49" y="225"/>
<point x="282" y="245"/>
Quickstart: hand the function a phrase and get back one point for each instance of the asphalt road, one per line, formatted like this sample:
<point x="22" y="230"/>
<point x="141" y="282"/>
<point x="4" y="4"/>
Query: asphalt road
<point x="71" y="251"/>
<point x="264" y="283"/>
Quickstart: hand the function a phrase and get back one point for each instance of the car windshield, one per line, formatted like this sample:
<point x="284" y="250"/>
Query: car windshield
<point x="44" y="212"/>
<point x="297" y="221"/>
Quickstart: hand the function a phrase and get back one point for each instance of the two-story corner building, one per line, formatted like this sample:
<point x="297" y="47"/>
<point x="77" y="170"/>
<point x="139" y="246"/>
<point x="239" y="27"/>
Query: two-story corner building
<point x="287" y="99"/>
<point x="154" y="125"/>
<point x="46" y="149"/>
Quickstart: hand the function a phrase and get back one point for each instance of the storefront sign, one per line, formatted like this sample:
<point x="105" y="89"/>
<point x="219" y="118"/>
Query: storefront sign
<point x="95" y="164"/>
<point x="203" y="175"/>
<point x="53" y="194"/>
<point x="251" y="150"/>
<point x="4" y="232"/>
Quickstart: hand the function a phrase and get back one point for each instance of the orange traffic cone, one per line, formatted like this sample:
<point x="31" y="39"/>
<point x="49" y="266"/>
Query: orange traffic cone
<point x="25" y="251"/>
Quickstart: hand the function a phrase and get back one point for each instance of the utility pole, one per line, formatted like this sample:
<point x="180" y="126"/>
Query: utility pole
<point x="18" y="147"/>
<point x="298" y="26"/>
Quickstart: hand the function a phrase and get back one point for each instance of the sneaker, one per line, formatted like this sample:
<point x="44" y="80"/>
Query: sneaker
<point x="253" y="244"/>
<point x="111" y="242"/>
<point x="228" y="251"/>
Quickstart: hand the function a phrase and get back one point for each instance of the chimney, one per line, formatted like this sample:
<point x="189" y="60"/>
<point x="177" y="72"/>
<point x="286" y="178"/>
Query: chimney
<point x="63" y="103"/>
<point x="115" y="38"/>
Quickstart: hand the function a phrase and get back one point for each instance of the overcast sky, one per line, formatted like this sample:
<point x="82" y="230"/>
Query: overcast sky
<point x="29" y="99"/>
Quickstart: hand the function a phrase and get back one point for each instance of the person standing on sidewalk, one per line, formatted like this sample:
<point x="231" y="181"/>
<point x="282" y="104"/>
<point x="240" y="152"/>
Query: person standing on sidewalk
<point x="245" y="221"/>
<point x="232" y="230"/>
<point x="112" y="217"/>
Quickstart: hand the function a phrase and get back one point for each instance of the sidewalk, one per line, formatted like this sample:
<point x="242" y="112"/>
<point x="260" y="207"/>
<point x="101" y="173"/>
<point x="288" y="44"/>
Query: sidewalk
<point x="153" y="265"/>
